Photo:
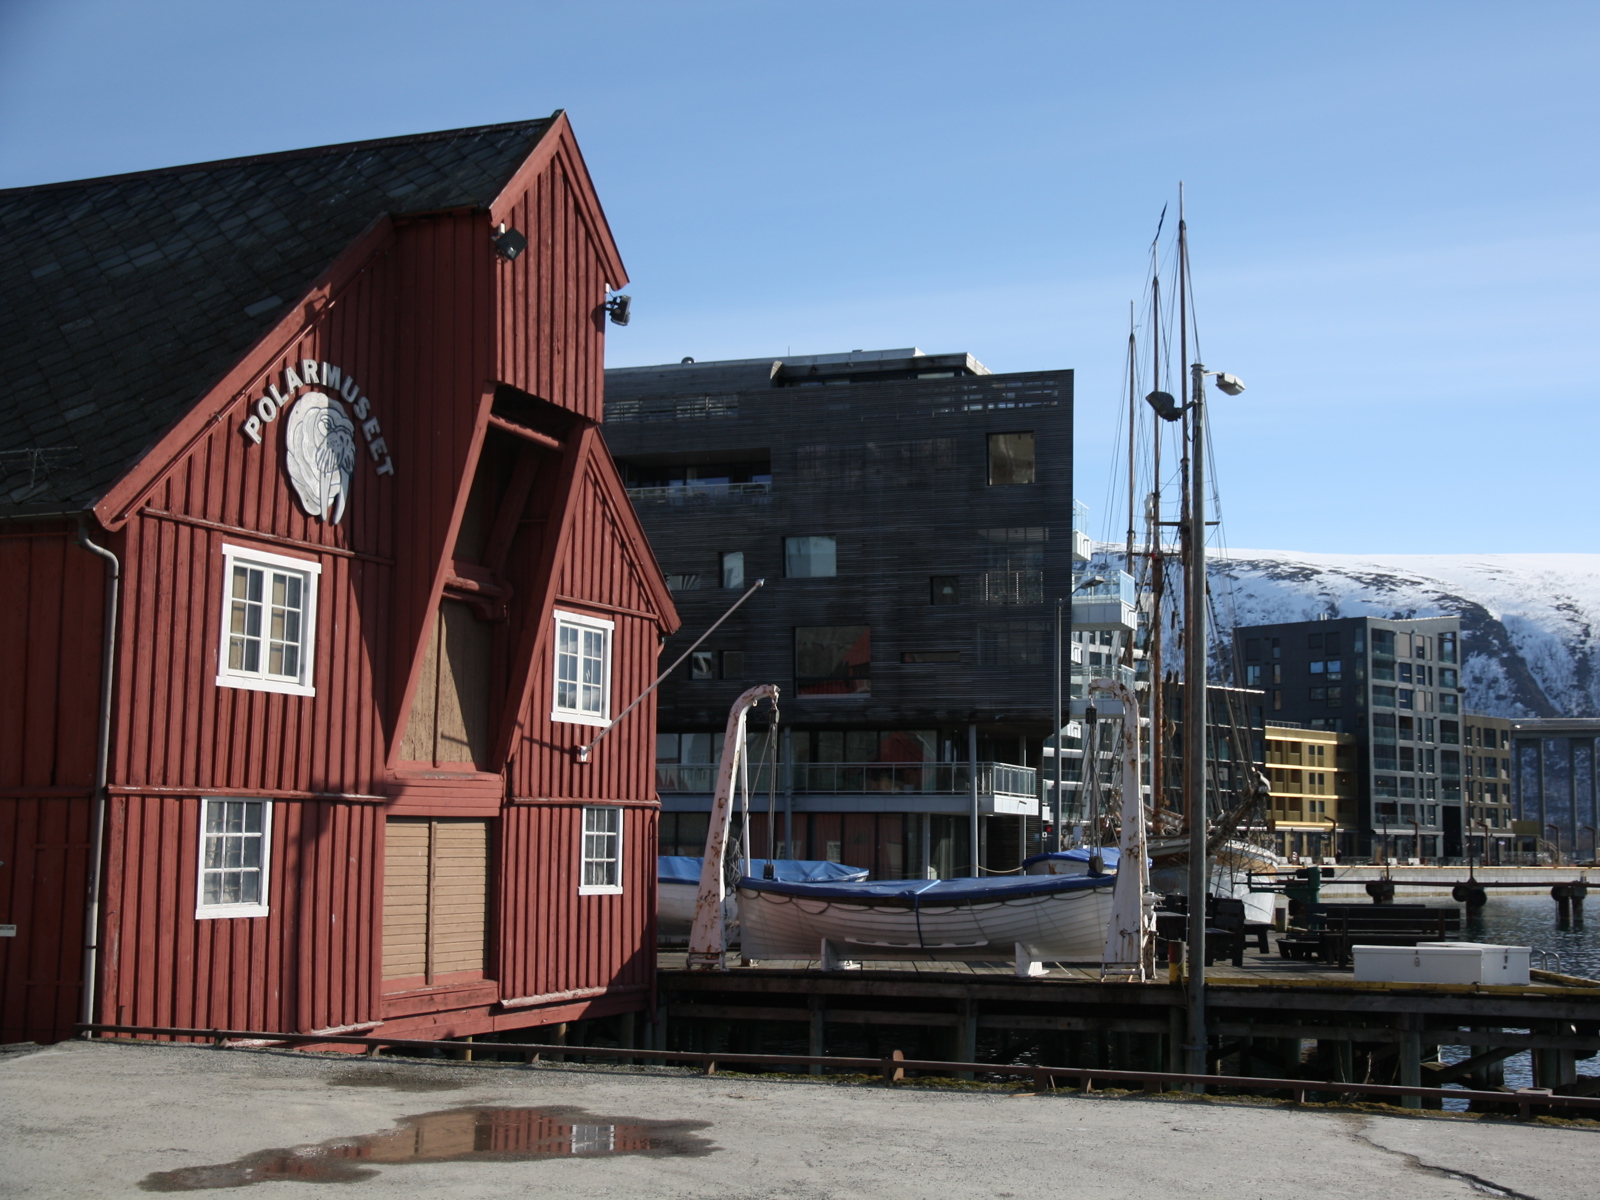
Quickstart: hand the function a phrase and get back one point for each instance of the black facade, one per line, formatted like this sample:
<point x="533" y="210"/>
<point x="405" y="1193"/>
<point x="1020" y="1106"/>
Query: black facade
<point x="912" y="517"/>
<point x="1395" y="685"/>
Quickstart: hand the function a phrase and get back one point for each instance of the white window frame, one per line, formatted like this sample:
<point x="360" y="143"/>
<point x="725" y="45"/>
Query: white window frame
<point x="261" y="908"/>
<point x="260" y="681"/>
<point x="584" y="834"/>
<point x="572" y="715"/>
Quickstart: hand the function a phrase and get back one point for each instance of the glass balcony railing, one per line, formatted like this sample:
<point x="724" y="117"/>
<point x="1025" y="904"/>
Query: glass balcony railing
<point x="994" y="778"/>
<point x="1117" y="585"/>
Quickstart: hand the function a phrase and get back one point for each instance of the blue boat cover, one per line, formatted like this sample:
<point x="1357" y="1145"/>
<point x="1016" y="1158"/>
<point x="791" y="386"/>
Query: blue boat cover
<point x="928" y="892"/>
<point x="1109" y="855"/>
<point x="684" y="868"/>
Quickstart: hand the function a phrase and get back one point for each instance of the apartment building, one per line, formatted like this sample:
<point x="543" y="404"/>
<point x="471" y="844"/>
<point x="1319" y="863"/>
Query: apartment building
<point x="1315" y="793"/>
<point x="1395" y="687"/>
<point x="1486" y="752"/>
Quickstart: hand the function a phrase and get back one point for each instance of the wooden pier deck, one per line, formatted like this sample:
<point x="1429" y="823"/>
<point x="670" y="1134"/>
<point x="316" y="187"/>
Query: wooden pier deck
<point x="1270" y="1018"/>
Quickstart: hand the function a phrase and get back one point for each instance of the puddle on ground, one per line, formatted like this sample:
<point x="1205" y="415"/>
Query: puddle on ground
<point x="401" y="1081"/>
<point x="469" y="1134"/>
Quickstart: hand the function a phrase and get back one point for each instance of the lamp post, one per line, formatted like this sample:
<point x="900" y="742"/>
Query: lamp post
<point x="1196" y="712"/>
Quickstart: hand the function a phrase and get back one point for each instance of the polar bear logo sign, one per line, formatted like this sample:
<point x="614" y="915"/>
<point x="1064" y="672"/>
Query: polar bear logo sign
<point x="320" y="442"/>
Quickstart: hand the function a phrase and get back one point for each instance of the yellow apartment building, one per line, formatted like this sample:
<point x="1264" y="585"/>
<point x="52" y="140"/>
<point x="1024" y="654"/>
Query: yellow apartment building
<point x="1315" y="790"/>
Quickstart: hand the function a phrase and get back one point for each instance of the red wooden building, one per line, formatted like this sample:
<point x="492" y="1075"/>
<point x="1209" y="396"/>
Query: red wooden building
<point x="324" y="427"/>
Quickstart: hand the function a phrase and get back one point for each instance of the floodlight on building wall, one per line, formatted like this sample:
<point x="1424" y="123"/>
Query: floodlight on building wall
<point x="509" y="243"/>
<point x="618" y="307"/>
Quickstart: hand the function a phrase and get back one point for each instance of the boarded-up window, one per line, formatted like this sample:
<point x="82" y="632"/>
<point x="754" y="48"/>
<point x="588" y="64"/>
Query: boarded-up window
<point x="449" y="719"/>
<point x="435" y="899"/>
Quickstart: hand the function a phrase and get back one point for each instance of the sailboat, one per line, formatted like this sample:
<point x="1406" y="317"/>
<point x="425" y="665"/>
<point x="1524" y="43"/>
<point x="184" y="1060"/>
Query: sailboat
<point x="1204" y="845"/>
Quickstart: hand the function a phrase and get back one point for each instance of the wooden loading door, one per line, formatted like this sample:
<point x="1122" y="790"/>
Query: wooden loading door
<point x="435" y="901"/>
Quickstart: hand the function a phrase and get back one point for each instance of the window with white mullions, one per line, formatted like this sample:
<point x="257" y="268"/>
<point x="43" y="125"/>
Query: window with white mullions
<point x="235" y="840"/>
<point x="268" y="621"/>
<point x="275" y="599"/>
<point x="582" y="691"/>
<point x="602" y="851"/>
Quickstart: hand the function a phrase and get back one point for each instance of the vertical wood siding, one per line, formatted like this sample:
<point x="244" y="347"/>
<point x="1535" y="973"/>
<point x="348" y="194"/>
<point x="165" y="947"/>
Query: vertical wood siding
<point x="599" y="569"/>
<point x="310" y="964"/>
<point x="555" y="940"/>
<point x="52" y="595"/>
<point x="551" y="329"/>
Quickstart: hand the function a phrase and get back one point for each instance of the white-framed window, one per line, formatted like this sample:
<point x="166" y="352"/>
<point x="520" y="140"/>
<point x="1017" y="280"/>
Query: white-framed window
<point x="582" y="691"/>
<point x="235" y="849"/>
<point x="269" y="621"/>
<point x="601" y="865"/>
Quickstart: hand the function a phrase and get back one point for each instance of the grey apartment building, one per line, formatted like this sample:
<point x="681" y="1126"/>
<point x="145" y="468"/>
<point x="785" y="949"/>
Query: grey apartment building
<point x="912" y="517"/>
<point x="1395" y="685"/>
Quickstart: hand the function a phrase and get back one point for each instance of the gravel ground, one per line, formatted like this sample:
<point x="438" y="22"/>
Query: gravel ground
<point x="86" y="1120"/>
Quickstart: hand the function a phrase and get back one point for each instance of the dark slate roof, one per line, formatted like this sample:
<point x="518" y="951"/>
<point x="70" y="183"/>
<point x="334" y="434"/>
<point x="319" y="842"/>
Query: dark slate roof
<point x="126" y="298"/>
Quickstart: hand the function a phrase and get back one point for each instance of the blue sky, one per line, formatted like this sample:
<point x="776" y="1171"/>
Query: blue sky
<point x="1392" y="205"/>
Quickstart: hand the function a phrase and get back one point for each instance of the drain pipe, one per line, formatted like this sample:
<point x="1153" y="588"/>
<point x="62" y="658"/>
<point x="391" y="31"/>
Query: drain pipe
<point x="97" y="834"/>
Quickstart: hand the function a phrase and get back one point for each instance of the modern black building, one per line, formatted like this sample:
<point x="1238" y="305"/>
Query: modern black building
<point x="1395" y="685"/>
<point x="912" y="517"/>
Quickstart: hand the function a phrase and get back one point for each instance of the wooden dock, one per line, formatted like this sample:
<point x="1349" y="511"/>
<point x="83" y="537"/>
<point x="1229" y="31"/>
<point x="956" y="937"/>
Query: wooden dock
<point x="1271" y="1018"/>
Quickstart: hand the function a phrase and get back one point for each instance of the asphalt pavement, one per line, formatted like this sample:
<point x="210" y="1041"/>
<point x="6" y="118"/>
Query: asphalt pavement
<point x="88" y="1120"/>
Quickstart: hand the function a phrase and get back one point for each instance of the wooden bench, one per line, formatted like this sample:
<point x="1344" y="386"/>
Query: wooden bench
<point x="1330" y="933"/>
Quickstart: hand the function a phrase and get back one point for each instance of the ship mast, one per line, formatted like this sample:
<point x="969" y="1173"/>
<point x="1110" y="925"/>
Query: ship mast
<point x="1133" y="420"/>
<point x="1195" y="708"/>
<point x="1158" y="582"/>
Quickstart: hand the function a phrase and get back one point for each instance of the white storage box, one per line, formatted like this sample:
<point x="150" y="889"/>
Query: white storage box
<point x="1442" y="962"/>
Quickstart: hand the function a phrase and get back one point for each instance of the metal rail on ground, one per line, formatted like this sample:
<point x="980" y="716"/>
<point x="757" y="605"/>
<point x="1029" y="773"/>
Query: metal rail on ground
<point x="892" y="1068"/>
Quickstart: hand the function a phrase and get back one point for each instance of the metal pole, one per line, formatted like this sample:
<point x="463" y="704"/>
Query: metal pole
<point x="972" y="782"/>
<point x="1195" y="712"/>
<point x="788" y="793"/>
<point x="1060" y="806"/>
<point x="102" y="758"/>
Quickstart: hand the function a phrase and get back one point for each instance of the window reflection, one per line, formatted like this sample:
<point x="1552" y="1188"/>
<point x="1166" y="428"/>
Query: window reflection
<point x="833" y="660"/>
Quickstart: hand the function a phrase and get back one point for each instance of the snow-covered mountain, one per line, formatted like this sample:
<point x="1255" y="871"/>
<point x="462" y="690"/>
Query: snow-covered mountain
<point x="1529" y="621"/>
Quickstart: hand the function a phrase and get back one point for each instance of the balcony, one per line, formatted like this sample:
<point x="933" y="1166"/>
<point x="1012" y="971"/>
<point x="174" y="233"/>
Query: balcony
<point x="702" y="493"/>
<point x="1108" y="605"/>
<point x="1002" y="787"/>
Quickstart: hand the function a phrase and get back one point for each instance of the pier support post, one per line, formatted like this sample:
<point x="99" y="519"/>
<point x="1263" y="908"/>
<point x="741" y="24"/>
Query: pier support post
<point x="967" y="1034"/>
<point x="1554" y="1068"/>
<point x="558" y="1037"/>
<point x="1410" y="1058"/>
<point x="814" y="1045"/>
<point x="1176" y="1028"/>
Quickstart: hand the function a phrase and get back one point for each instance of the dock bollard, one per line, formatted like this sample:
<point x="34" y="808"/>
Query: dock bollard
<point x="1562" y="894"/>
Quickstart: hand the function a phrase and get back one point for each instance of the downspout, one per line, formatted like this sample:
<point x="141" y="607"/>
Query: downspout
<point x="97" y="820"/>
